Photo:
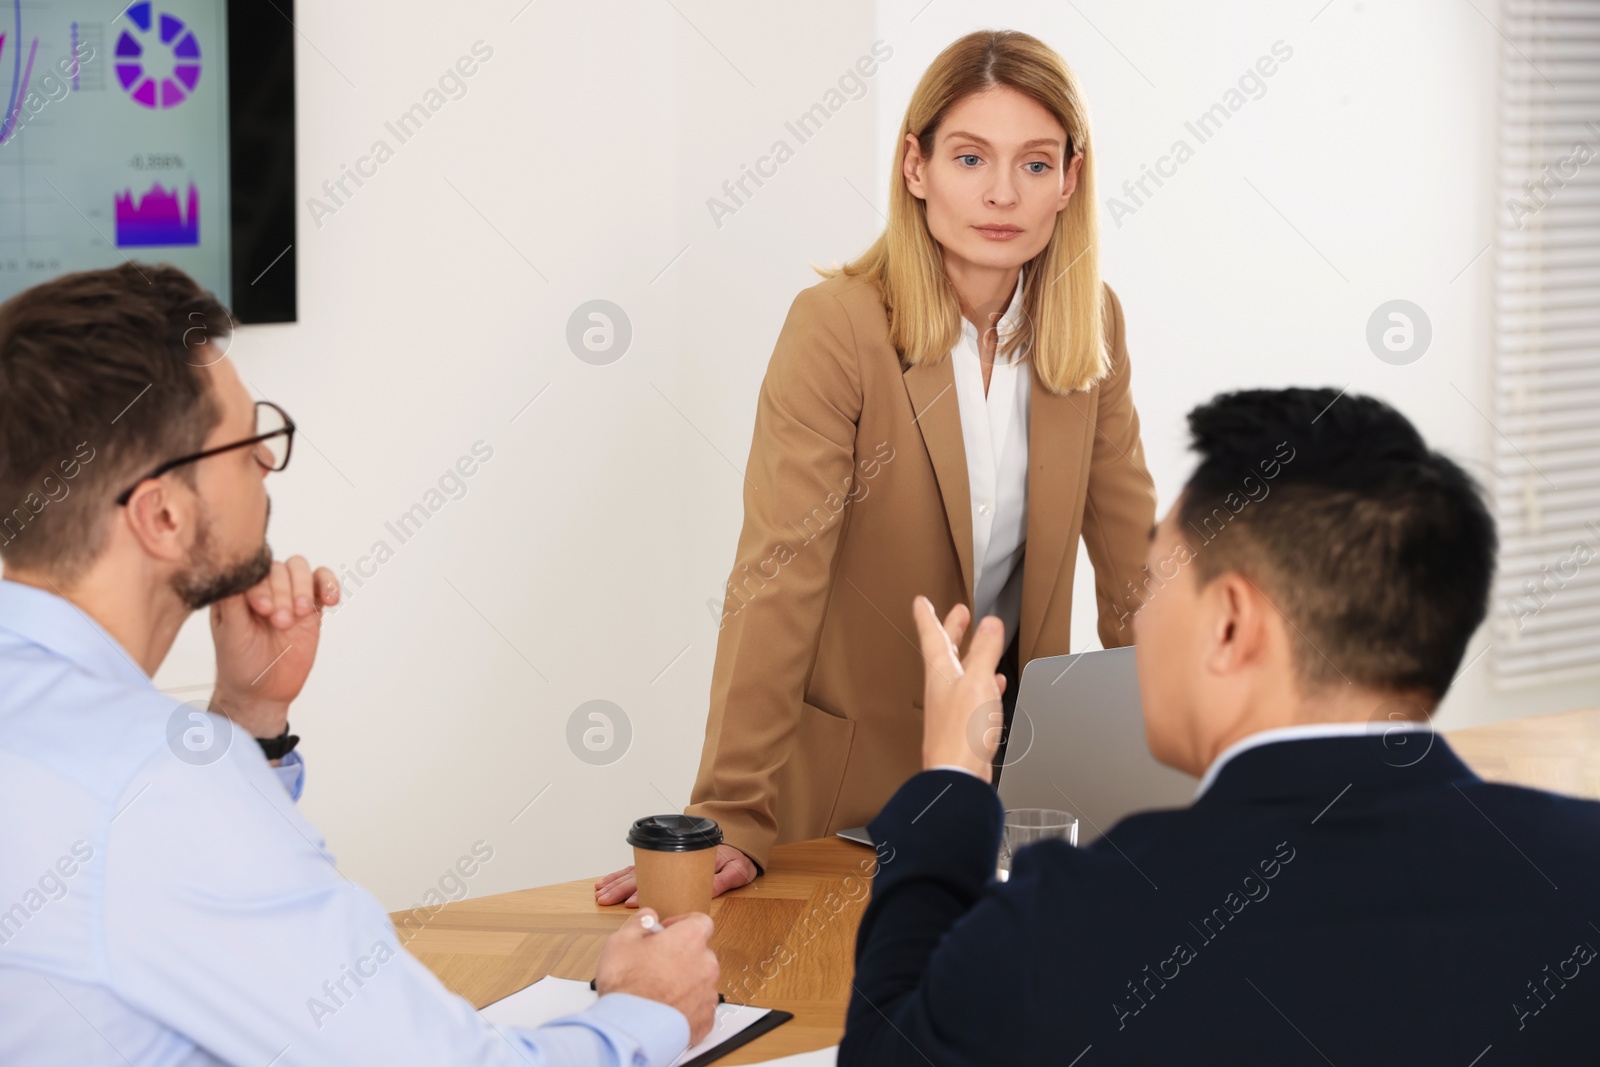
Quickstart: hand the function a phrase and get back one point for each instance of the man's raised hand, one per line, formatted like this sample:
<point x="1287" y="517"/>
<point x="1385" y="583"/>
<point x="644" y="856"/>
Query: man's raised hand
<point x="962" y="715"/>
<point x="266" y="640"/>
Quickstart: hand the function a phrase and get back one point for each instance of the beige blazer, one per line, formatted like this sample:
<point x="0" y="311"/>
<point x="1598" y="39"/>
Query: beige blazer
<point x="856" y="500"/>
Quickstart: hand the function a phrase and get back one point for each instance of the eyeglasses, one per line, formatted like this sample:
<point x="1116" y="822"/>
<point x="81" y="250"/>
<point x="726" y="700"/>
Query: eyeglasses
<point x="275" y="441"/>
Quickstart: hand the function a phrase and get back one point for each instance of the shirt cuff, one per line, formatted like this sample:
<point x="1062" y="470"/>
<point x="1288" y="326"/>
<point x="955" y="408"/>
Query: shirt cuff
<point x="943" y="767"/>
<point x="645" y="1033"/>
<point x="291" y="771"/>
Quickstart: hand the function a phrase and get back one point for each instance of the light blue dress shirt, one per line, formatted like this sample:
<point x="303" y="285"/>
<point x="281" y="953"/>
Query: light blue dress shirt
<point x="163" y="902"/>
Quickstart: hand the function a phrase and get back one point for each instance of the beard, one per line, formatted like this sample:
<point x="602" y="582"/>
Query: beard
<point x="207" y="580"/>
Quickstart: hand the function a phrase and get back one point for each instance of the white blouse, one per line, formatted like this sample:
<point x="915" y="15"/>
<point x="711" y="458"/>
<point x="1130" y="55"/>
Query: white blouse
<point x="994" y="430"/>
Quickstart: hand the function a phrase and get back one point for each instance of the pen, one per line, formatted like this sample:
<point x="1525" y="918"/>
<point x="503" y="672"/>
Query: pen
<point x="651" y="926"/>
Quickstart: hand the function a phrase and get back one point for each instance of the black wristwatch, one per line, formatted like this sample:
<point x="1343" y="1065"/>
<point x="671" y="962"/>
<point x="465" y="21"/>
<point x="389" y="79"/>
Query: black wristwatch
<point x="280" y="746"/>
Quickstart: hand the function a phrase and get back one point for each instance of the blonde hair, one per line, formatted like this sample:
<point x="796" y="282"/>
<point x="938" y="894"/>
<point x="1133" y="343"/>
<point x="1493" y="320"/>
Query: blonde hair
<point x="1061" y="327"/>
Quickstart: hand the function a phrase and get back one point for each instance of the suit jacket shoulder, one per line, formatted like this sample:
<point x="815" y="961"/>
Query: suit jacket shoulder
<point x="854" y="304"/>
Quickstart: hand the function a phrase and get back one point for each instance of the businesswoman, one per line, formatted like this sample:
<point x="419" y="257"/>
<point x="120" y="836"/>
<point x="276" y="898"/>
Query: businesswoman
<point x="946" y="415"/>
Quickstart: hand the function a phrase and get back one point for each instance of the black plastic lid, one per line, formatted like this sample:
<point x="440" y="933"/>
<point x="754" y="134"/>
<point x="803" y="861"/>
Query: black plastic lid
<point x="674" y="833"/>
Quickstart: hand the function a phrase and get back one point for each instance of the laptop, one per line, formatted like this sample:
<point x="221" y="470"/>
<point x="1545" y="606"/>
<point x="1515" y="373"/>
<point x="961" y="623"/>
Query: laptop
<point x="1077" y="745"/>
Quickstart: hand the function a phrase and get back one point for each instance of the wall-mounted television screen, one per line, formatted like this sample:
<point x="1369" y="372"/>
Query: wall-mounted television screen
<point x="163" y="132"/>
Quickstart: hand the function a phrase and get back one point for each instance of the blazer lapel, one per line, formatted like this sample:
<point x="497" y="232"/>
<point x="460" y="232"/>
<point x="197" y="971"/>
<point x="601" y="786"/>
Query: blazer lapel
<point x="932" y="389"/>
<point x="1060" y="440"/>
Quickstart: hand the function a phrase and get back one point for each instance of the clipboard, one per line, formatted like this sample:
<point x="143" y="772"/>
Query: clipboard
<point x="768" y="1022"/>
<point x="551" y="998"/>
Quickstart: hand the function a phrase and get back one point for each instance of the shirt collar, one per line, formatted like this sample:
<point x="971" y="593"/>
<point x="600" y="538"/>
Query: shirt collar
<point x="55" y="623"/>
<point x="1304" y="732"/>
<point x="1008" y="320"/>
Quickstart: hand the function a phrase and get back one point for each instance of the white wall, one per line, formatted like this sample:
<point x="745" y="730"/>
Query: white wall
<point x="578" y="564"/>
<point x="1361" y="173"/>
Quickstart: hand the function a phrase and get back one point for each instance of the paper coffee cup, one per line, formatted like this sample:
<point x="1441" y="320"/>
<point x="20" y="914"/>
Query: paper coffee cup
<point x="675" y="862"/>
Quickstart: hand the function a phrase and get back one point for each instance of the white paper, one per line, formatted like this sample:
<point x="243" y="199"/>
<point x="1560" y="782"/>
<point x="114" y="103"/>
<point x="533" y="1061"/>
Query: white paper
<point x="552" y="998"/>
<point x="544" y="1000"/>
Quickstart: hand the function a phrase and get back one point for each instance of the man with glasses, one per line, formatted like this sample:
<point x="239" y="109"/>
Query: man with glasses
<point x="162" y="901"/>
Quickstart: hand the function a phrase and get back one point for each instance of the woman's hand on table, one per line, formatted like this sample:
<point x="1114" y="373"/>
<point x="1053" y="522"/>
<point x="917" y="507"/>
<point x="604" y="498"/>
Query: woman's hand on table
<point x="734" y="869"/>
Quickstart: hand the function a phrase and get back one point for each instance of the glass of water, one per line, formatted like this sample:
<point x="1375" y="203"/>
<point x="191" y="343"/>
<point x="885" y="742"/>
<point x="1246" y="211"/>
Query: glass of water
<point x="1024" y="826"/>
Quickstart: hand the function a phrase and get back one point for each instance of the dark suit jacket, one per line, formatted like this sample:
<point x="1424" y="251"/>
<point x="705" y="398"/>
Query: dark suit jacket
<point x="1326" y="901"/>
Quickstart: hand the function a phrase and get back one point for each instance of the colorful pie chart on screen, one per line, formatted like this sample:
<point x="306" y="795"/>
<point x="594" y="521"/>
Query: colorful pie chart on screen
<point x="157" y="59"/>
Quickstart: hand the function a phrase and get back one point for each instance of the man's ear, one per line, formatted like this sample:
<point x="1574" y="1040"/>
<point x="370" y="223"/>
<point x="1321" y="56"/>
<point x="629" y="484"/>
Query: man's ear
<point x="913" y="167"/>
<point x="161" y="518"/>
<point x="1239" y="622"/>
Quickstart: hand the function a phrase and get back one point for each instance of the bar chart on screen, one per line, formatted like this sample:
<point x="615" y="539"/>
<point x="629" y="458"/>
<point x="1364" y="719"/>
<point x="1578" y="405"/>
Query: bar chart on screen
<point x="158" y="218"/>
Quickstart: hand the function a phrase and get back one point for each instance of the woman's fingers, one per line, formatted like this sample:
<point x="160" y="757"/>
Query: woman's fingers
<point x="614" y="887"/>
<point x="614" y="876"/>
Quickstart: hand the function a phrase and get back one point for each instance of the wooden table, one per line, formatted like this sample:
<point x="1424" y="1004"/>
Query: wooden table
<point x="788" y="941"/>
<point x="1559" y="752"/>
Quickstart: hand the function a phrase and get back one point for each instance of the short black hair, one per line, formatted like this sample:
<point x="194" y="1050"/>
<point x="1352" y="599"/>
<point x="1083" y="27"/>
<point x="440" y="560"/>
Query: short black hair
<point x="100" y="381"/>
<point x="1377" y="549"/>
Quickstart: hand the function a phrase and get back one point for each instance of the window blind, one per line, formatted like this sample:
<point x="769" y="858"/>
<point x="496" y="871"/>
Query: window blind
<point x="1546" y="460"/>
